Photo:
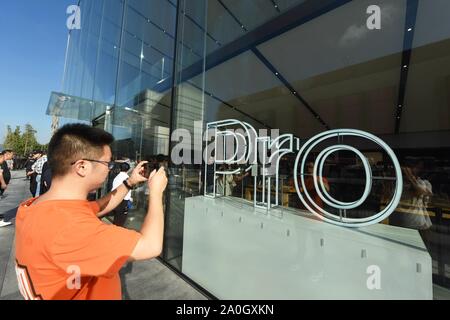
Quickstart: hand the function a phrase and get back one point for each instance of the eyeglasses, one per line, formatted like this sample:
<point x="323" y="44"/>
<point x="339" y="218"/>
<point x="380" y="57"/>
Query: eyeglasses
<point x="109" y="164"/>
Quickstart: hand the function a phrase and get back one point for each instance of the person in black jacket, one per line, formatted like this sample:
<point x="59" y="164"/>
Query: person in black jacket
<point x="28" y="164"/>
<point x="46" y="180"/>
<point x="31" y="173"/>
<point x="6" y="173"/>
<point x="3" y="184"/>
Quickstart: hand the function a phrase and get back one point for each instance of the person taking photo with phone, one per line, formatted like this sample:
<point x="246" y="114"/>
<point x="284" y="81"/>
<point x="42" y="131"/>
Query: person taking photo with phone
<point x="63" y="250"/>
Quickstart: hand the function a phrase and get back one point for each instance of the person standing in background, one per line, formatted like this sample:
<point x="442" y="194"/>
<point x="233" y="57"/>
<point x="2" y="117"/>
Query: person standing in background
<point x="28" y="164"/>
<point x="9" y="159"/>
<point x="37" y="168"/>
<point x="46" y="178"/>
<point x="6" y="173"/>
<point x="121" y="211"/>
<point x="30" y="173"/>
<point x="3" y="184"/>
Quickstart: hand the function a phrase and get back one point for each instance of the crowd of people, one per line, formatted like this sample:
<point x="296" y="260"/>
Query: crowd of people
<point x="64" y="220"/>
<point x="39" y="175"/>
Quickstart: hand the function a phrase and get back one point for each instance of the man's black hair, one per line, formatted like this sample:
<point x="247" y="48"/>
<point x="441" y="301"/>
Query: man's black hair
<point x="74" y="142"/>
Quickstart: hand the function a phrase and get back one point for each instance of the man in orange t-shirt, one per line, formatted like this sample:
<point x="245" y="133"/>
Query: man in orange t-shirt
<point x="63" y="250"/>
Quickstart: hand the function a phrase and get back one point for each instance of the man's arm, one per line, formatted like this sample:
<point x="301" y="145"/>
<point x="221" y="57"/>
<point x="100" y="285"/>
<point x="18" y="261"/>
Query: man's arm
<point x="150" y="244"/>
<point x="109" y="202"/>
<point x="3" y="184"/>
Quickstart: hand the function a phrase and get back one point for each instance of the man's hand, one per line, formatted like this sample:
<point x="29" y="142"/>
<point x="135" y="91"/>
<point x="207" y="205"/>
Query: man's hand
<point x="3" y="184"/>
<point x="151" y="243"/>
<point x="136" y="176"/>
<point x="157" y="182"/>
<point x="114" y="198"/>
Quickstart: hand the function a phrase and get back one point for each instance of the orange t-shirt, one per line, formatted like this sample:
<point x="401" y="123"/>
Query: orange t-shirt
<point x="64" y="252"/>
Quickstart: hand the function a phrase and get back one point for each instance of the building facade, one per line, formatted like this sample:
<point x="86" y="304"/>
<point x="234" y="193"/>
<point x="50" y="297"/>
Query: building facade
<point x="155" y="72"/>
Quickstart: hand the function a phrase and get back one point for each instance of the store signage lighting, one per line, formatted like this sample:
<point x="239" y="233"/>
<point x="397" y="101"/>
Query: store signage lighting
<point x="247" y="145"/>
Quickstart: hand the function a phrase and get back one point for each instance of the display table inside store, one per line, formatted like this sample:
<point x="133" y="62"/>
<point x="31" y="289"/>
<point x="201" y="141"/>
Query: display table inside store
<point x="238" y="252"/>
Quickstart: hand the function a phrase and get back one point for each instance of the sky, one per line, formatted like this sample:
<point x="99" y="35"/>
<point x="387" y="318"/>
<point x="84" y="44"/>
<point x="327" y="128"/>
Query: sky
<point x="33" y="39"/>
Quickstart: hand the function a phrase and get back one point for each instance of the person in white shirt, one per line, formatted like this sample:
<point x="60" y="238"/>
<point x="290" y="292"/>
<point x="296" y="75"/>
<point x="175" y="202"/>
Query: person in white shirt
<point x="121" y="212"/>
<point x="37" y="168"/>
<point x="10" y="163"/>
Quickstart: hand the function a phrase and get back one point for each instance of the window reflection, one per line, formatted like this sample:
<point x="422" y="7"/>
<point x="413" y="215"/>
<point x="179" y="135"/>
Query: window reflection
<point x="327" y="72"/>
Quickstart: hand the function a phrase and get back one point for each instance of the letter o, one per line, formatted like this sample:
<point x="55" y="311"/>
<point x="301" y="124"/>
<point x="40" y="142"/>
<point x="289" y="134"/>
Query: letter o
<point x="320" y="188"/>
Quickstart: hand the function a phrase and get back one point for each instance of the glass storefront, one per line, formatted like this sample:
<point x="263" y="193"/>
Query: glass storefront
<point x="163" y="68"/>
<point x="114" y="65"/>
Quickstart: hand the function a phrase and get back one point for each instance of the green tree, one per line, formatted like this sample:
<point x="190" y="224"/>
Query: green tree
<point x="22" y="143"/>
<point x="29" y="140"/>
<point x="12" y="139"/>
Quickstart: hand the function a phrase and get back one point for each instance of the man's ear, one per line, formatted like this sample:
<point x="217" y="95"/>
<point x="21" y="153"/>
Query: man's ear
<point x="81" y="168"/>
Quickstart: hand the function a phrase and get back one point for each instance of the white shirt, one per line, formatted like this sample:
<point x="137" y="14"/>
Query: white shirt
<point x="37" y="166"/>
<point x="10" y="164"/>
<point x="118" y="180"/>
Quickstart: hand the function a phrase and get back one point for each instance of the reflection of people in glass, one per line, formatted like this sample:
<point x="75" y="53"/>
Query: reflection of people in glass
<point x="225" y="183"/>
<point x="412" y="211"/>
<point x="241" y="180"/>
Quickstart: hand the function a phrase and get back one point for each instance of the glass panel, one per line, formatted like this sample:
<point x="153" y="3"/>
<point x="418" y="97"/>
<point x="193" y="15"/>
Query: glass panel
<point x="70" y="107"/>
<point x="92" y="55"/>
<point x="115" y="66"/>
<point x="295" y="67"/>
<point x="306" y="67"/>
<point x="148" y="46"/>
<point x="141" y="117"/>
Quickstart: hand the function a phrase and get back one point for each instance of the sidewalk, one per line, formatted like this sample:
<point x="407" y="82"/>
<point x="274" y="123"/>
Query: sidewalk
<point x="140" y="280"/>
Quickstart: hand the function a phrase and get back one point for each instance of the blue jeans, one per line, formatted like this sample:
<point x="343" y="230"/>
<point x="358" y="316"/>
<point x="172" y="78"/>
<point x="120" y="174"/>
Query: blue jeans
<point x="38" y="188"/>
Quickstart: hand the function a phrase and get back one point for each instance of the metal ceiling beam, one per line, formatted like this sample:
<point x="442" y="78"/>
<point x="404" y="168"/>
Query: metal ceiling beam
<point x="298" y="15"/>
<point x="410" y="28"/>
